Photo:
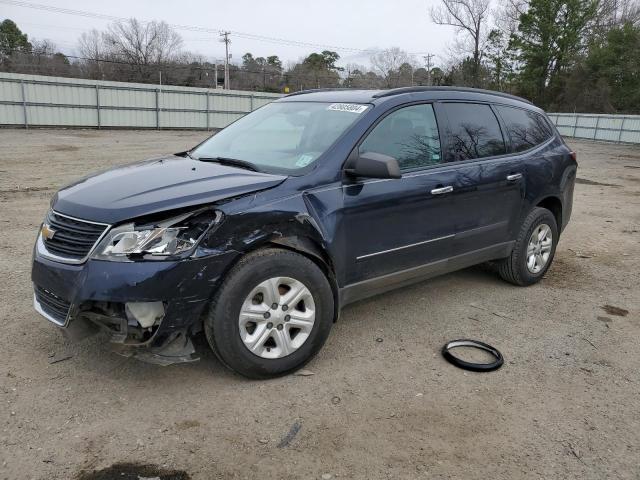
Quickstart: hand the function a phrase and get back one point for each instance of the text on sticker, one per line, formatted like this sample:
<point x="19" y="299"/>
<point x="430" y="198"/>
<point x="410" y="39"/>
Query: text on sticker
<point x="347" y="107"/>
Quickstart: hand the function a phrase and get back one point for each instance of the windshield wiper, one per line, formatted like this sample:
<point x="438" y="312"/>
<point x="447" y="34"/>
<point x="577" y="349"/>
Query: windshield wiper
<point x="233" y="162"/>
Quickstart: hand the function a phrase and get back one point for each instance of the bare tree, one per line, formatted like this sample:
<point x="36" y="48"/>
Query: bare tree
<point x="614" y="13"/>
<point x="141" y="44"/>
<point x="387" y="63"/>
<point x="359" y="76"/>
<point x="91" y="45"/>
<point x="92" y="49"/>
<point x="469" y="16"/>
<point x="507" y="15"/>
<point x="43" y="48"/>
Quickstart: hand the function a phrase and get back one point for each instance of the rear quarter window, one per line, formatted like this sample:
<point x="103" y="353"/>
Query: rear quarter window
<point x="526" y="129"/>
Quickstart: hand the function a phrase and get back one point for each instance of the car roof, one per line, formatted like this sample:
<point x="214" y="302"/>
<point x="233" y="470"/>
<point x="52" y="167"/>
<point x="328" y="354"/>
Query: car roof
<point x="345" y="95"/>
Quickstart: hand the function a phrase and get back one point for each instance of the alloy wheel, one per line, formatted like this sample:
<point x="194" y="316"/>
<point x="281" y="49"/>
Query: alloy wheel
<point x="539" y="248"/>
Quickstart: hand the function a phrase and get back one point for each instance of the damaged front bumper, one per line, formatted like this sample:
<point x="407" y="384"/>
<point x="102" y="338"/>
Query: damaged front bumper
<point x="169" y="299"/>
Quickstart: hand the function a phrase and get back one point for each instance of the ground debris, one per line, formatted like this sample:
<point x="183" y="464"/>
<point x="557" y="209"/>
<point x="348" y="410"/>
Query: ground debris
<point x="288" y="438"/>
<point x="53" y="359"/>
<point x="586" y="181"/>
<point x="575" y="451"/>
<point x="304" y="373"/>
<point x="132" y="471"/>
<point x="582" y="254"/>
<point x="613" y="310"/>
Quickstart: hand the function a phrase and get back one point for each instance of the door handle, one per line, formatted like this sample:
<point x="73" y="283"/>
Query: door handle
<point x="514" y="176"/>
<point x="441" y="190"/>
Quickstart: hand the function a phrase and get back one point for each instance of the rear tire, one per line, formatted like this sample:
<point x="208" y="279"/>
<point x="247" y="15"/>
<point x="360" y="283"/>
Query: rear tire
<point x="533" y="251"/>
<point x="250" y="326"/>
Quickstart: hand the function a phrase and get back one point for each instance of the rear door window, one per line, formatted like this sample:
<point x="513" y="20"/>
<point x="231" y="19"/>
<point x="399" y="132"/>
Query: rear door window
<point x="526" y="129"/>
<point x="473" y="132"/>
<point x="409" y="134"/>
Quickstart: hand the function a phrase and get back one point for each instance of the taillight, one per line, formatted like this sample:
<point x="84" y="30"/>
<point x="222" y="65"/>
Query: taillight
<point x="573" y="156"/>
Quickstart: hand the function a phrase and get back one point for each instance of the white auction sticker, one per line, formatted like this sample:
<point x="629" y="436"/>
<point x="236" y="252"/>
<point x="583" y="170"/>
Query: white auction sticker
<point x="347" y="107"/>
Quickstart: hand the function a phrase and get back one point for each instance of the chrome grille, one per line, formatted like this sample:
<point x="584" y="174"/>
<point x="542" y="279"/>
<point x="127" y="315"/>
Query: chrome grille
<point x="72" y="238"/>
<point x="53" y="307"/>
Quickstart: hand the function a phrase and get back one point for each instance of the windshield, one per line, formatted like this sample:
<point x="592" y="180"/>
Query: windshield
<point x="281" y="136"/>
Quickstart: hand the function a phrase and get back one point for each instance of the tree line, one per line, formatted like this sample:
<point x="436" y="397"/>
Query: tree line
<point x="564" y="55"/>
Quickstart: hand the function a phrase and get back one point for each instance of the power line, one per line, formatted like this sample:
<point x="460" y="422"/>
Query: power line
<point x="248" y="36"/>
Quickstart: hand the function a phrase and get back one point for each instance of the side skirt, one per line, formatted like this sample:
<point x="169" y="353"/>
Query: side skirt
<point x="391" y="281"/>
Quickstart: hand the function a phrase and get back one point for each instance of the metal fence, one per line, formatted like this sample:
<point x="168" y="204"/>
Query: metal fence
<point x="42" y="101"/>
<point x="39" y="101"/>
<point x="609" y="128"/>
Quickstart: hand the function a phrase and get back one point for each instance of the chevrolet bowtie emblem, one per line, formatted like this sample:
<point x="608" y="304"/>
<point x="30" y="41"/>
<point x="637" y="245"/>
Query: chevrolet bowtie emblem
<point x="47" y="232"/>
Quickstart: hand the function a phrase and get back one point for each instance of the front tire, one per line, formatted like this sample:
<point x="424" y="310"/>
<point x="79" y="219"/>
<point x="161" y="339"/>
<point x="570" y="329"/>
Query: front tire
<point x="271" y="315"/>
<point x="534" y="249"/>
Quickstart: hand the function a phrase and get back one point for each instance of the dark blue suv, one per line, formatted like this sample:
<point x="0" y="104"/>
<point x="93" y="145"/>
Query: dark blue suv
<point x="259" y="235"/>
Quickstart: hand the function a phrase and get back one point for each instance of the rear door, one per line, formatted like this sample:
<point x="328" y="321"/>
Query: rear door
<point x="489" y="189"/>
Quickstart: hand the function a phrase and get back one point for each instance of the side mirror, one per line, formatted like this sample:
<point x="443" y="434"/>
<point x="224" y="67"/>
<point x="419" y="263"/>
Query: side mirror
<point x="375" y="165"/>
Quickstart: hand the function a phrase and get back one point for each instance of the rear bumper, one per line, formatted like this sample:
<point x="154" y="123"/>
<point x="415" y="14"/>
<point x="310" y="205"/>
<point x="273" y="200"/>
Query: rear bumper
<point x="95" y="293"/>
<point x="567" y="202"/>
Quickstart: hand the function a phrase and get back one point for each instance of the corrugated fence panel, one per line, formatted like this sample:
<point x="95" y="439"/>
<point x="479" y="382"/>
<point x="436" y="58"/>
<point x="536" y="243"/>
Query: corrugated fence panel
<point x="12" y="114"/>
<point x="73" y="102"/>
<point x="63" y="116"/>
<point x="191" y="120"/>
<point x="221" y="120"/>
<point x="609" y="128"/>
<point x="36" y="100"/>
<point x="11" y="91"/>
<point x="127" y="98"/>
<point x="128" y="118"/>
<point x="177" y="99"/>
<point x="231" y="104"/>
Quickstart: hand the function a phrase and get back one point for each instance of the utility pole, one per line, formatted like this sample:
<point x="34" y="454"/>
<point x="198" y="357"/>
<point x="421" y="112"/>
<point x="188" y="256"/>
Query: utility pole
<point x="427" y="59"/>
<point x="227" y="41"/>
<point x="215" y="74"/>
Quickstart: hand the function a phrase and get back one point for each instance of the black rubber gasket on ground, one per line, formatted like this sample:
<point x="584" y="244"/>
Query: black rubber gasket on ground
<point x="475" y="367"/>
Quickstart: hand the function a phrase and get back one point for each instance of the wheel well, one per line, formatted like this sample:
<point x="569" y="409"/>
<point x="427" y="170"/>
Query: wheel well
<point x="554" y="205"/>
<point x="310" y="249"/>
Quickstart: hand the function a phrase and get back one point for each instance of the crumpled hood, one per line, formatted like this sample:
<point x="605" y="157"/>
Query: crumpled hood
<point x="156" y="185"/>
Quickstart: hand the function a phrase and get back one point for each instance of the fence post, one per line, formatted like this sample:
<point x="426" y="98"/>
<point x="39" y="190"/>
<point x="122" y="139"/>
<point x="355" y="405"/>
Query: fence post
<point x="157" y="109"/>
<point x="98" y="104"/>
<point x="207" y="110"/>
<point x="620" y="131"/>
<point x="251" y="103"/>
<point x="595" y="132"/>
<point x="575" y="125"/>
<point x="24" y="105"/>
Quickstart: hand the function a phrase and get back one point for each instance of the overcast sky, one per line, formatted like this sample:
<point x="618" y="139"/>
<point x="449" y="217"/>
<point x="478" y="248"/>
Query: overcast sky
<point x="356" y="24"/>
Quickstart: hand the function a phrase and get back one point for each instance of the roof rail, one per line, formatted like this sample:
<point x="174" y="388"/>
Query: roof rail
<point x="401" y="90"/>
<point x="316" y="90"/>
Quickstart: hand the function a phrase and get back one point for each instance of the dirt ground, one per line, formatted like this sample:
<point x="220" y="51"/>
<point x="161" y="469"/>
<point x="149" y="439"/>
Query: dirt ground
<point x="382" y="402"/>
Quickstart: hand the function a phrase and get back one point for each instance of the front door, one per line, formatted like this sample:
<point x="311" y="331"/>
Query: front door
<point x="393" y="225"/>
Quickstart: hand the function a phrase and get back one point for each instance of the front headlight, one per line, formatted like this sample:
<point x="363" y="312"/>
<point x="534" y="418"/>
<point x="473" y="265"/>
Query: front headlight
<point x="157" y="240"/>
